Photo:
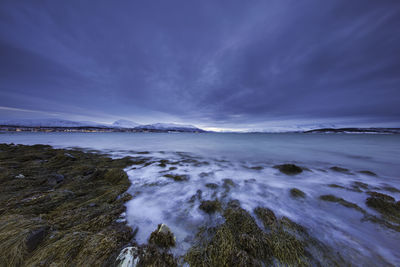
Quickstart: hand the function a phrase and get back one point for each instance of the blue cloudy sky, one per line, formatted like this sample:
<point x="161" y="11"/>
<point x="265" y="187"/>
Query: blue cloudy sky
<point x="216" y="64"/>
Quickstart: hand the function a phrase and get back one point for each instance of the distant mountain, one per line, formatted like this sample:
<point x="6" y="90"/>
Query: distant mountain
<point x="169" y="127"/>
<point x="125" y="124"/>
<point x="50" y="123"/>
<point x="357" y="130"/>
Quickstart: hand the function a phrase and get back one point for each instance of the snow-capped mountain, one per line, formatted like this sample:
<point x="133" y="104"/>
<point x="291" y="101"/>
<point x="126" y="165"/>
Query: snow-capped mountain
<point x="125" y="124"/>
<point x="50" y="123"/>
<point x="170" y="127"/>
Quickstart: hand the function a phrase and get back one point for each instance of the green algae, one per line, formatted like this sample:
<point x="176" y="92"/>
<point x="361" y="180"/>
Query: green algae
<point x="64" y="210"/>
<point x="289" y="169"/>
<point x="297" y="193"/>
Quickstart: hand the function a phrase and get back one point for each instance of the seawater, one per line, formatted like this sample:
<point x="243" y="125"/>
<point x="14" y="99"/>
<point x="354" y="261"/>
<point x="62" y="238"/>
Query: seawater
<point x="248" y="160"/>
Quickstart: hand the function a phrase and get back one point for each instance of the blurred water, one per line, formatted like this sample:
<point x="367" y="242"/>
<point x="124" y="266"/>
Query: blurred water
<point x="211" y="158"/>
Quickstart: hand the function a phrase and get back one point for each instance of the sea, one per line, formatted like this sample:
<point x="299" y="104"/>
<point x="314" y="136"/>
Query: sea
<point x="248" y="160"/>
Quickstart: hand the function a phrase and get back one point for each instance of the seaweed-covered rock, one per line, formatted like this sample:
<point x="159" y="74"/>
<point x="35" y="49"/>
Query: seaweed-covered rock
<point x="210" y="206"/>
<point x="177" y="177"/>
<point x="75" y="192"/>
<point x="332" y="198"/>
<point x="385" y="205"/>
<point x="297" y="193"/>
<point x="162" y="237"/>
<point x="289" y="169"/>
<point x="267" y="216"/>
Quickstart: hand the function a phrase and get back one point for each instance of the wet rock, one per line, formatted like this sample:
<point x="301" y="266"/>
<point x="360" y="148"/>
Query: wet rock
<point x="210" y="206"/>
<point x="385" y="205"/>
<point x="212" y="185"/>
<point x="20" y="176"/>
<point x="162" y="237"/>
<point x="370" y="173"/>
<point x="289" y="169"/>
<point x="297" y="193"/>
<point x="339" y="169"/>
<point x="178" y="177"/>
<point x="35" y="238"/>
<point x="198" y="196"/>
<point x="347" y="204"/>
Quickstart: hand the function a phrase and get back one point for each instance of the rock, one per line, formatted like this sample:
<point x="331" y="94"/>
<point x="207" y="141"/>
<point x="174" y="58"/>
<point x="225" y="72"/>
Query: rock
<point x="339" y="169"/>
<point x="20" y="176"/>
<point x="370" y="173"/>
<point x="294" y="192"/>
<point x="289" y="169"/>
<point x="212" y="185"/>
<point x="35" y="237"/>
<point x="210" y="206"/>
<point x="55" y="179"/>
<point x="128" y="257"/>
<point x="162" y="237"/>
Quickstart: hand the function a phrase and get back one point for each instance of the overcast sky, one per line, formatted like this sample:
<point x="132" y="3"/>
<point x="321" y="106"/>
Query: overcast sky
<point x="223" y="64"/>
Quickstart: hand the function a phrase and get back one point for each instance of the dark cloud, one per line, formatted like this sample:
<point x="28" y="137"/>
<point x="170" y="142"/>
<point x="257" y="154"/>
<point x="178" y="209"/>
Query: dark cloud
<point x="214" y="63"/>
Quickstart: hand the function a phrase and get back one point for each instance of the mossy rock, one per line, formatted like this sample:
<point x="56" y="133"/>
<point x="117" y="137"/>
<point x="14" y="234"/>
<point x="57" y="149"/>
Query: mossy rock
<point x="212" y="185"/>
<point x="297" y="193"/>
<point x="289" y="169"/>
<point x="210" y="206"/>
<point x="162" y="237"/>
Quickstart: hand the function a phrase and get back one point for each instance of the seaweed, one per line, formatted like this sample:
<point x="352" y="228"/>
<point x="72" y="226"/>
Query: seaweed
<point x="64" y="208"/>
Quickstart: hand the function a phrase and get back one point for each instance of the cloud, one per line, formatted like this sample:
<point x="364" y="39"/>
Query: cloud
<point x="232" y="63"/>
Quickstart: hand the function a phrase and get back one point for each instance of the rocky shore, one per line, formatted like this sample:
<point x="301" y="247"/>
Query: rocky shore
<point x="61" y="207"/>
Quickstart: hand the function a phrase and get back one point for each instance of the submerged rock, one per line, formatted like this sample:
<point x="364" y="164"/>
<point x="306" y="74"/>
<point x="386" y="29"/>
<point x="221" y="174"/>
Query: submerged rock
<point x="162" y="237"/>
<point x="297" y="193"/>
<point x="289" y="169"/>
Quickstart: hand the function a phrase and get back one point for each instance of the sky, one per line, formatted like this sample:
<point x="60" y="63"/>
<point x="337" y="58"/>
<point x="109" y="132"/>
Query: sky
<point x="233" y="65"/>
